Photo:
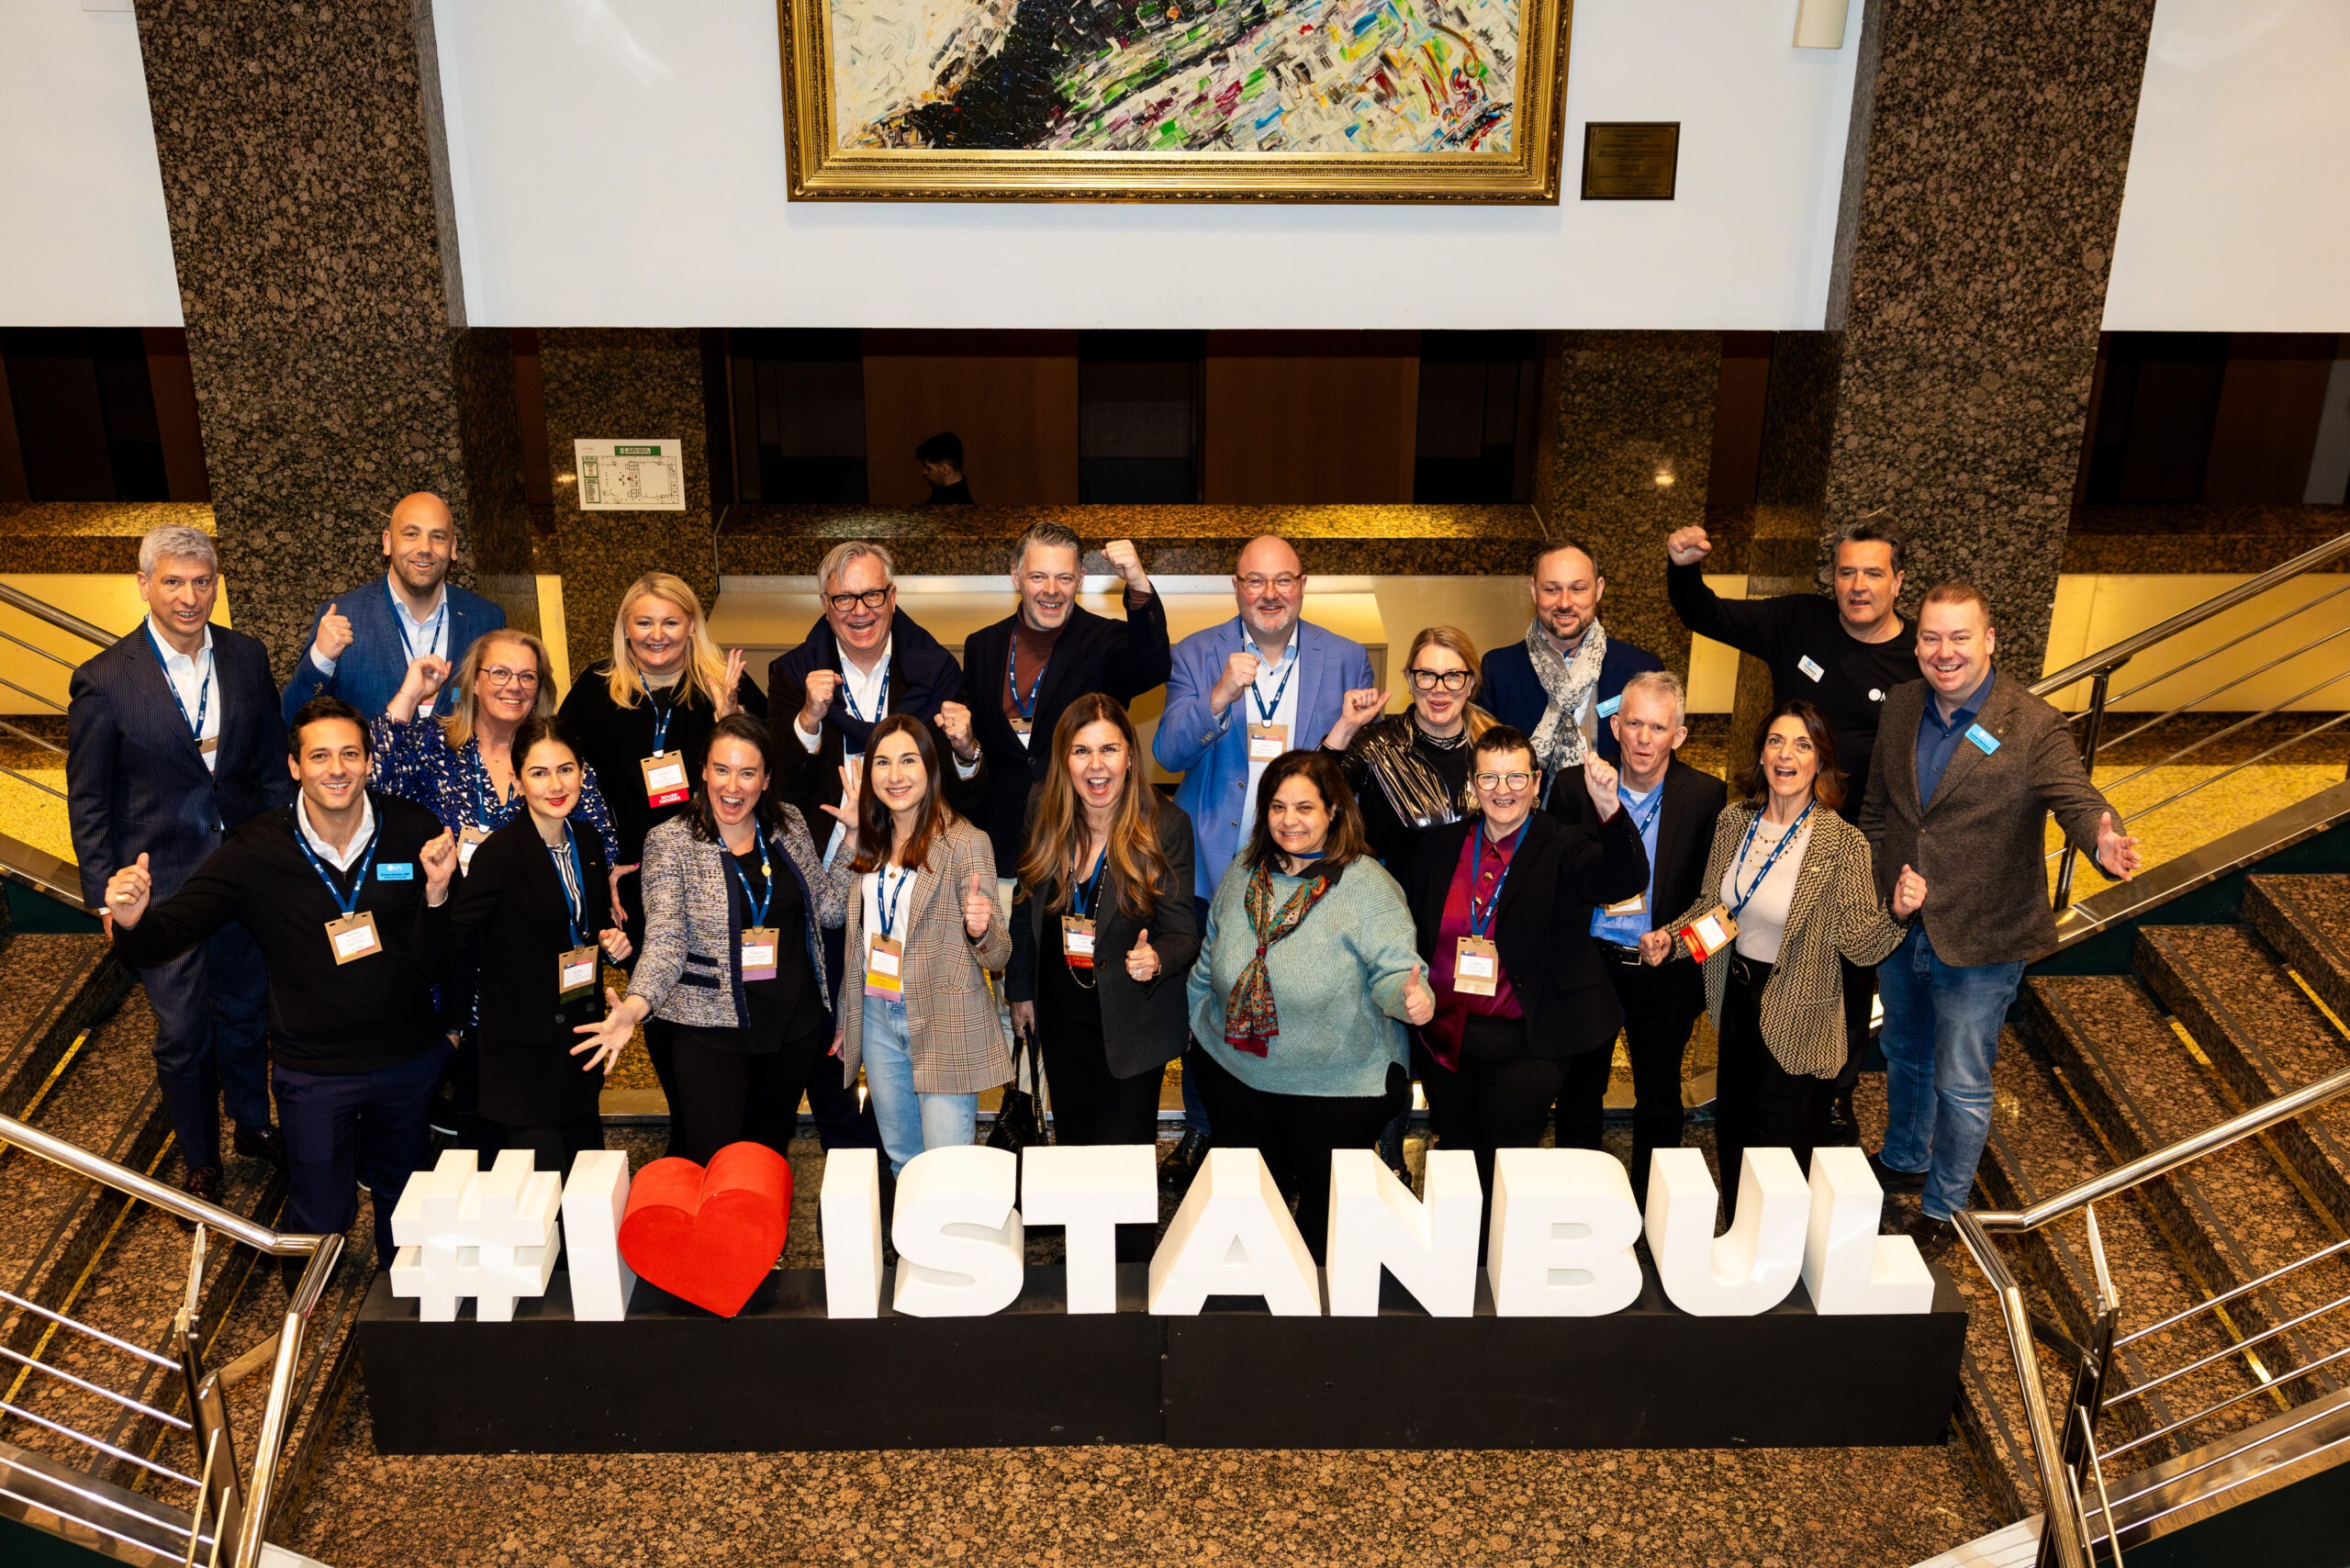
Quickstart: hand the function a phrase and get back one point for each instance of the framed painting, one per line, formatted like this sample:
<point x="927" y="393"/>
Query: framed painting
<point x="1199" y="100"/>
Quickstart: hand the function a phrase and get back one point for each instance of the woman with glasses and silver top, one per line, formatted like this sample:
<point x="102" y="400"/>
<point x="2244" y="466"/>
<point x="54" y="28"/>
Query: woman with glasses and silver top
<point x="1501" y="906"/>
<point x="1410" y="769"/>
<point x="1790" y="887"/>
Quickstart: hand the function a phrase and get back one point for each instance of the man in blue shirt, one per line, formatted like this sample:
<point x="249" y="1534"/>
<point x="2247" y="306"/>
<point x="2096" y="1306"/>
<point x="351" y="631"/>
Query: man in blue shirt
<point x="362" y="642"/>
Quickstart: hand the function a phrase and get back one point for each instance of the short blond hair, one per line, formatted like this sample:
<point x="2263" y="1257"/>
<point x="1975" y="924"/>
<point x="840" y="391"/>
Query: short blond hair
<point x="1664" y="683"/>
<point x="1957" y="592"/>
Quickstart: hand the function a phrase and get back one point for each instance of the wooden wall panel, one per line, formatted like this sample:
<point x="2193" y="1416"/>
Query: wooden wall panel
<point x="2271" y="398"/>
<point x="1311" y="416"/>
<point x="1011" y="396"/>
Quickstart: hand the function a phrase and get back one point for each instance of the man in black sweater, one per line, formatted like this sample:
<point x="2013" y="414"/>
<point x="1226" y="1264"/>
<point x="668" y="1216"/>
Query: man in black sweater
<point x="329" y="888"/>
<point x="1841" y="653"/>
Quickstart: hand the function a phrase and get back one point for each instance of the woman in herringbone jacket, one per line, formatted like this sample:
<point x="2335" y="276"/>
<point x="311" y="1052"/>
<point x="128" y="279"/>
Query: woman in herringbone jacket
<point x="924" y="932"/>
<point x="1789" y="888"/>
<point x="733" y="965"/>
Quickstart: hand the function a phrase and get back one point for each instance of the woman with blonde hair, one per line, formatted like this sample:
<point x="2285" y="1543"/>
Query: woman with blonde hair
<point x="1104" y="930"/>
<point x="1410" y="769"/>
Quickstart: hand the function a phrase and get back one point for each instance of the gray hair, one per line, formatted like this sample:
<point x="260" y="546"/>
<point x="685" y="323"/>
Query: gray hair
<point x="837" y="558"/>
<point x="176" y="541"/>
<point x="1053" y="535"/>
<point x="1665" y="684"/>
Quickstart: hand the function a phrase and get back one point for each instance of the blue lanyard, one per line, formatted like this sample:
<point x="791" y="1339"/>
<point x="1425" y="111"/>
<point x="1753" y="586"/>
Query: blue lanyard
<point x="1772" y="860"/>
<point x="348" y="905"/>
<point x="1011" y="678"/>
<point x="575" y="886"/>
<point x="661" y="716"/>
<point x="881" y="698"/>
<point x="433" y="628"/>
<point x="1476" y="868"/>
<point x="885" y="898"/>
<point x="767" y="890"/>
<point x="1289" y="668"/>
<point x="1642" y="828"/>
<point x="203" y="693"/>
<point x="1091" y="886"/>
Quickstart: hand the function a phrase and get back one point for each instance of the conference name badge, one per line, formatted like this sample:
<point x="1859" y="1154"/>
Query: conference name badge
<point x="1077" y="941"/>
<point x="575" y="971"/>
<point x="1811" y="667"/>
<point x="352" y="937"/>
<point x="468" y="840"/>
<point x="1267" y="741"/>
<point x="396" y="872"/>
<point x="1476" y="967"/>
<point x="1985" y="741"/>
<point x="664" y="778"/>
<point x="1607" y="709"/>
<point x="758" y="953"/>
<point x="884" y="958"/>
<point x="207" y="746"/>
<point x="1636" y="904"/>
<point x="1709" y="934"/>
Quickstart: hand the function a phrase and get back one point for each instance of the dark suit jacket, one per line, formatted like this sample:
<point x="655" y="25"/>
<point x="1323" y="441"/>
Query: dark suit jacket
<point x="369" y="673"/>
<point x="1685" y="833"/>
<point x="1144" y="1025"/>
<point x="1542" y="925"/>
<point x="1979" y="842"/>
<point x="922" y="674"/>
<point x="135" y="783"/>
<point x="1510" y="692"/>
<point x="1119" y="658"/>
<point x="511" y="903"/>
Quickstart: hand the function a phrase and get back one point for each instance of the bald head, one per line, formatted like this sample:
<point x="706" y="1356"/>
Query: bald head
<point x="417" y="543"/>
<point x="1269" y="582"/>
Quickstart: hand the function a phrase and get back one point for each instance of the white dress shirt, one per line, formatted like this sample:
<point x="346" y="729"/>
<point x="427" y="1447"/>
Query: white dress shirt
<point x="342" y="859"/>
<point x="192" y="679"/>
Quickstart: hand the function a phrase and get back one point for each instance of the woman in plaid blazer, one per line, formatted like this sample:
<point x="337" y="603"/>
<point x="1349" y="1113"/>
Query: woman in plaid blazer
<point x="1799" y="888"/>
<point x="917" y="1009"/>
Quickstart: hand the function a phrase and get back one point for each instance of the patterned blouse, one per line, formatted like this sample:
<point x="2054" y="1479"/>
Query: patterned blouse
<point x="415" y="761"/>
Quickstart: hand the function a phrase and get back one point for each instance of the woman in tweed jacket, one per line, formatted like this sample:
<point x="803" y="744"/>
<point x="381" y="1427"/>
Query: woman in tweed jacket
<point x="927" y="884"/>
<point x="737" y="859"/>
<point x="1799" y="886"/>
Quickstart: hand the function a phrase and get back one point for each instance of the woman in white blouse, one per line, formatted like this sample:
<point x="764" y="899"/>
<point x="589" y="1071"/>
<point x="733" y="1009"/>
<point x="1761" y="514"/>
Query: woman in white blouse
<point x="1789" y="888"/>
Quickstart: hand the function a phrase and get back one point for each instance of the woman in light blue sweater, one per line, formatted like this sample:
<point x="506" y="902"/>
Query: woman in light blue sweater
<point x="1308" y="971"/>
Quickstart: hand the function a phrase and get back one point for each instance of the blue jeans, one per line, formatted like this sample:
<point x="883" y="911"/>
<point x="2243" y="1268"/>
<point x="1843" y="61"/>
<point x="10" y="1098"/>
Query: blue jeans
<point x="1941" y="1038"/>
<point x="910" y="1122"/>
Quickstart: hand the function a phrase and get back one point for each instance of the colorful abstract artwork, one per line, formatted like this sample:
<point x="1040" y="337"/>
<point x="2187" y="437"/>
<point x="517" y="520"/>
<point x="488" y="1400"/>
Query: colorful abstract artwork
<point x="1095" y="99"/>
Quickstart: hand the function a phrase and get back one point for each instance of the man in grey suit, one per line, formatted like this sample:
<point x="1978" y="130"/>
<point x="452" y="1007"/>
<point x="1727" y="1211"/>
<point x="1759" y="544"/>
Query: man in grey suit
<point x="1968" y="767"/>
<point x="175" y="738"/>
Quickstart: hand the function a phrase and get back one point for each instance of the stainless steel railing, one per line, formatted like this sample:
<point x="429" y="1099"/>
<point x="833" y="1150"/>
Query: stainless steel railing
<point x="228" y="1514"/>
<point x="2070" y="1464"/>
<point x="42" y="610"/>
<point x="2099" y="669"/>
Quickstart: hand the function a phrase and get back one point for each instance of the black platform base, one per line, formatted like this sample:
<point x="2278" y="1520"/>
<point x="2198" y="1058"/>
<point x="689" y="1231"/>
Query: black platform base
<point x="783" y="1376"/>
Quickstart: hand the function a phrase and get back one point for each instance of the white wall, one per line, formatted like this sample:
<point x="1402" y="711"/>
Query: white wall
<point x="82" y="238"/>
<point x="2236" y="217"/>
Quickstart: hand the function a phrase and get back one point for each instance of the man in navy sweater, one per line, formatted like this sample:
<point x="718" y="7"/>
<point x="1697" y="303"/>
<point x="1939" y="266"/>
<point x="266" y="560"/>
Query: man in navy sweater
<point x="1565" y="681"/>
<point x="329" y="888"/>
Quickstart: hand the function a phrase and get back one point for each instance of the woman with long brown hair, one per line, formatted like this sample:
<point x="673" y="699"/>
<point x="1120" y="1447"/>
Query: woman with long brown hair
<point x="1103" y="930"/>
<point x="923" y="933"/>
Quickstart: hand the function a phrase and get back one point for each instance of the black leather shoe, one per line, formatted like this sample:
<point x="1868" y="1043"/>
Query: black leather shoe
<point x="262" y="1143"/>
<point x="1934" y="1236"/>
<point x="200" y="1181"/>
<point x="1176" y="1171"/>
<point x="1843" y="1122"/>
<point x="1894" y="1180"/>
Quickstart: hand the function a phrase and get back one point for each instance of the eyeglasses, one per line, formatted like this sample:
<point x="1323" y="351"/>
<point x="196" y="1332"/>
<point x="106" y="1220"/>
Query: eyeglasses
<point x="499" y="676"/>
<point x="1430" y="680"/>
<point x="1502" y="780"/>
<point x="1256" y="582"/>
<point x="872" y="599"/>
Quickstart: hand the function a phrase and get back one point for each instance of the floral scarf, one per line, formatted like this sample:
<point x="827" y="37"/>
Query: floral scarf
<point x="1249" y="1020"/>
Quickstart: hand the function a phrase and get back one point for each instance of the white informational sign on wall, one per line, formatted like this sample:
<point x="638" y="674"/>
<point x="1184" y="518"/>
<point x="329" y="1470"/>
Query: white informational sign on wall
<point x="630" y="475"/>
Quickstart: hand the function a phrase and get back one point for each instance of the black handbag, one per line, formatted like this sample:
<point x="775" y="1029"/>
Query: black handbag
<point x="1020" y="1120"/>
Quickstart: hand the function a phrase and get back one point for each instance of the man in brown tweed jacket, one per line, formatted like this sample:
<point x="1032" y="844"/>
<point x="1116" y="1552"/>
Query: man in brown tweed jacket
<point x="1969" y="766"/>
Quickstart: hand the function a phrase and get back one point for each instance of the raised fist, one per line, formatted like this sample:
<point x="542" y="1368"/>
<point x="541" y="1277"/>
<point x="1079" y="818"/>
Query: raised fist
<point x="1687" y="546"/>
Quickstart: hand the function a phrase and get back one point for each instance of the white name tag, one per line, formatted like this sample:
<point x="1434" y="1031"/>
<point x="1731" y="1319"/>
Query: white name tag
<point x="354" y="936"/>
<point x="1267" y="741"/>
<point x="1809" y="667"/>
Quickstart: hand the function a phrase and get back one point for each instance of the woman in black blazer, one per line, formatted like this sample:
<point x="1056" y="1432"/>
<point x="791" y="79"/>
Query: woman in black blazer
<point x="532" y="899"/>
<point x="1502" y="904"/>
<point x="1103" y="932"/>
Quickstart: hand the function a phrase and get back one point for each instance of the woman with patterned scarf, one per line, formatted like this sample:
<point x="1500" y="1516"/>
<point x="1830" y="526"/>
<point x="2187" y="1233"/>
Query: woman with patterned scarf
<point x="1307" y="974"/>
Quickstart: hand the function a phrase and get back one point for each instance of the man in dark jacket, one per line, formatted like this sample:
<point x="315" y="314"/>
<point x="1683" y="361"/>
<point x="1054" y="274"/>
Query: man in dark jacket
<point x="1672" y="806"/>
<point x="175" y="739"/>
<point x="1020" y="674"/>
<point x="1561" y="684"/>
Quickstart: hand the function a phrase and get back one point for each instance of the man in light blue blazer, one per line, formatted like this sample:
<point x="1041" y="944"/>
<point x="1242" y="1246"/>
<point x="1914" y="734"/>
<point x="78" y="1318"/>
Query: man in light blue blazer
<point x="362" y="642"/>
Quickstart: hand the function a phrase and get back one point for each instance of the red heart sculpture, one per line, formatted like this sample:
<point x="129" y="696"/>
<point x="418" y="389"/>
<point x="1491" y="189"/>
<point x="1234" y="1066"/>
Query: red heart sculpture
<point x="709" y="1237"/>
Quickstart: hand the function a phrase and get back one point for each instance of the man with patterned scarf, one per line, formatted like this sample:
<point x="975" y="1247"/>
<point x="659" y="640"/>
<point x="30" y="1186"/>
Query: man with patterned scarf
<point x="1562" y="683"/>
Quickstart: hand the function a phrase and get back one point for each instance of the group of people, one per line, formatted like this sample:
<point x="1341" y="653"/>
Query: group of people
<point x="1479" y="892"/>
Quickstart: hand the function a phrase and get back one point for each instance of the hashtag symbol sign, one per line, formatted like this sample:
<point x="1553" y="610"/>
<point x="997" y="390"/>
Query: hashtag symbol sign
<point x="461" y="1231"/>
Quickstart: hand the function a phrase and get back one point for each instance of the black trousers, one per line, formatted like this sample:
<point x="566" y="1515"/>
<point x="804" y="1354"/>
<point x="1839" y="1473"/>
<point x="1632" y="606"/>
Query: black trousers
<point x="1859" y="1002"/>
<point x="1089" y="1105"/>
<point x="726" y="1096"/>
<point x="1296" y="1132"/>
<point x="1661" y="1007"/>
<point x="1502" y="1093"/>
<point x="553" y="1147"/>
<point x="1757" y="1103"/>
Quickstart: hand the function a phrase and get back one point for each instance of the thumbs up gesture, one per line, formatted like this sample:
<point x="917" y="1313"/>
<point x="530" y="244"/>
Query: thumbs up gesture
<point x="1419" y="1002"/>
<point x="127" y="893"/>
<point x="334" y="635"/>
<point x="1142" y="958"/>
<point x="978" y="906"/>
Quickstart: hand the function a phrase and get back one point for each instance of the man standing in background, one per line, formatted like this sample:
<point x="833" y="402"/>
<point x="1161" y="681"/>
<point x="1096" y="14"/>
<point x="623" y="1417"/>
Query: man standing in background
<point x="1561" y="685"/>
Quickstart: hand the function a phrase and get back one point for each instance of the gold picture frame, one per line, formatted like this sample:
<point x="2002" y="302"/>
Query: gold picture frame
<point x="824" y="168"/>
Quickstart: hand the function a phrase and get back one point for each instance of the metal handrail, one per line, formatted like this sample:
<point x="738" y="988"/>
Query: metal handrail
<point x="2063" y="1506"/>
<point x="65" y="621"/>
<point x="321" y="1254"/>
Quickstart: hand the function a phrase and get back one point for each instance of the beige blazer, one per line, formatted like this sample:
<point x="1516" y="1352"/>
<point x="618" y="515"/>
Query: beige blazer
<point x="952" y="1020"/>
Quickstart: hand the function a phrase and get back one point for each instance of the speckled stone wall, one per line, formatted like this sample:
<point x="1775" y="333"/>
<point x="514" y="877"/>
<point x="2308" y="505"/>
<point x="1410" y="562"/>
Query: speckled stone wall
<point x="1618" y="411"/>
<point x="620" y="384"/>
<point x="333" y="370"/>
<point x="1984" y="178"/>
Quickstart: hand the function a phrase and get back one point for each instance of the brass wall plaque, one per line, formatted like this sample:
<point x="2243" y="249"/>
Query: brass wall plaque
<point x="1631" y="160"/>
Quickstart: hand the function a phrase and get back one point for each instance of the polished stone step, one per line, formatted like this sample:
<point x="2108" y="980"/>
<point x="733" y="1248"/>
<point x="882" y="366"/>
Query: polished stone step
<point x="2235" y="1216"/>
<point x="51" y="988"/>
<point x="2306" y="920"/>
